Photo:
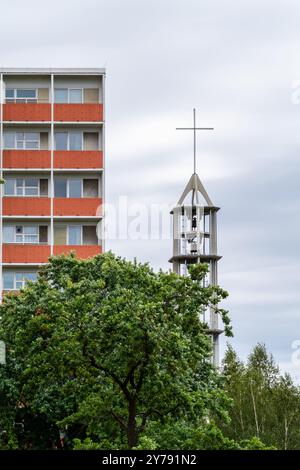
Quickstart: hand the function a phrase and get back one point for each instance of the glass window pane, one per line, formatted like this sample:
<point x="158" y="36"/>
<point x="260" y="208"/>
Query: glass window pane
<point x="20" y="144"/>
<point x="74" y="188"/>
<point x="75" y="140"/>
<point x="20" y="136"/>
<point x="31" y="136"/>
<point x="61" y="141"/>
<point x="31" y="191"/>
<point x="32" y="145"/>
<point x="9" y="93"/>
<point x="30" y="276"/>
<point x="30" y="239"/>
<point x="33" y="230"/>
<point x="21" y="93"/>
<point x="61" y="95"/>
<point x="20" y="191"/>
<point x="9" y="187"/>
<point x="60" y="187"/>
<point x="31" y="182"/>
<point x="75" y="95"/>
<point x="19" y="229"/>
<point x="8" y="234"/>
<point x="74" y="235"/>
<point x="8" y="280"/>
<point x="19" y="284"/>
<point x="19" y="276"/>
<point x="19" y="238"/>
<point x="9" y="140"/>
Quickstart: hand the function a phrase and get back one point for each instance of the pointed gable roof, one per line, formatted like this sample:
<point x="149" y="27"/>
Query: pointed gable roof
<point x="196" y="187"/>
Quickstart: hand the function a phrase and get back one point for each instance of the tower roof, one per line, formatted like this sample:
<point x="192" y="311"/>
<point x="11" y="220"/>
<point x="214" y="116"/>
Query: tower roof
<point x="195" y="187"/>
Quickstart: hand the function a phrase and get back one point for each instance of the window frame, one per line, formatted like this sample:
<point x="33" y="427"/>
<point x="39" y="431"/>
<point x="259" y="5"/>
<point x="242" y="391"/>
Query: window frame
<point x="68" y="141"/>
<point x="68" y="188"/>
<point x="16" y="99"/>
<point x="15" y="147"/>
<point x="68" y="234"/>
<point x="23" y="188"/>
<point x="23" y="281"/>
<point x="68" y="95"/>
<point x="23" y="235"/>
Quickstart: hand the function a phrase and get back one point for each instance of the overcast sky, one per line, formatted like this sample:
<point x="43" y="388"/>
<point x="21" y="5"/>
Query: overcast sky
<point x="236" y="62"/>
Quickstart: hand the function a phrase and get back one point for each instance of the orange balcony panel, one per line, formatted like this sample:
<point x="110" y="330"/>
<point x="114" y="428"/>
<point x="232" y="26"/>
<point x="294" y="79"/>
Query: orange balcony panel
<point x="78" y="159"/>
<point x="78" y="206"/>
<point x="82" y="251"/>
<point x="27" y="112"/>
<point x="27" y="253"/>
<point x="78" y="112"/>
<point x="26" y="205"/>
<point x="26" y="159"/>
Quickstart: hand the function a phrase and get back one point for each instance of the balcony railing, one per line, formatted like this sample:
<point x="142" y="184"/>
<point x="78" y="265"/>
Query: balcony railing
<point x="77" y="206"/>
<point x="26" y="206"/>
<point x="25" y="253"/>
<point x="78" y="112"/>
<point x="78" y="159"/>
<point x="26" y="112"/>
<point x="26" y="159"/>
<point x="81" y="251"/>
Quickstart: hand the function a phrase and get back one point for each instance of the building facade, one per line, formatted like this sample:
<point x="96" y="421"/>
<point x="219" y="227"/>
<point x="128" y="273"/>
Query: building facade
<point x="52" y="139"/>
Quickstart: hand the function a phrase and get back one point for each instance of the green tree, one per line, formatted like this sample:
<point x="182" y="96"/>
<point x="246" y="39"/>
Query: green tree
<point x="101" y="348"/>
<point x="266" y="404"/>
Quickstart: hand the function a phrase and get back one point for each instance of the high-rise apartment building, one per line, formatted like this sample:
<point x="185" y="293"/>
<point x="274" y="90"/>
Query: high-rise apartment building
<point x="52" y="162"/>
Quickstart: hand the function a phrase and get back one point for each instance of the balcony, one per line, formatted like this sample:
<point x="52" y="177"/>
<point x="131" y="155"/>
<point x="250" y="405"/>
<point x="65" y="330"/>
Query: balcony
<point x="26" y="112"/>
<point x="78" y="206"/>
<point x="82" y="251"/>
<point x="26" y="159"/>
<point x="26" y="206"/>
<point x="78" y="159"/>
<point x="27" y="253"/>
<point x="78" y="112"/>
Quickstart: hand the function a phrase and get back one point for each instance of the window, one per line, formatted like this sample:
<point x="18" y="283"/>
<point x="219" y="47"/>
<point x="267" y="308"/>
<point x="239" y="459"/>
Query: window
<point x="74" y="235"/>
<point x="9" y="187"/>
<point x="61" y="95"/>
<point x="21" y="95"/>
<point x="90" y="188"/>
<point x="75" y="141"/>
<point x="27" y="140"/>
<point x="68" y="95"/>
<point x="21" y="234"/>
<point x="60" y="187"/>
<point x="8" y="280"/>
<point x="22" y="278"/>
<point x="90" y="140"/>
<point x="61" y="140"/>
<point x="26" y="187"/>
<point x="64" y="187"/>
<point x="68" y="141"/>
<point x="9" y="140"/>
<point x="75" y="95"/>
<point x="17" y="280"/>
<point x="75" y="188"/>
<point x="22" y="140"/>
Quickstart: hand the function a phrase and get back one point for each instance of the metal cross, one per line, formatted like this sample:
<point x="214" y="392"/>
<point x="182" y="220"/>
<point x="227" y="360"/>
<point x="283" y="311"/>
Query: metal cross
<point x="194" y="129"/>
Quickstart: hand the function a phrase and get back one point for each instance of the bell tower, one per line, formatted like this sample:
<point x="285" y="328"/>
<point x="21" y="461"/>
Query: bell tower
<point x="195" y="238"/>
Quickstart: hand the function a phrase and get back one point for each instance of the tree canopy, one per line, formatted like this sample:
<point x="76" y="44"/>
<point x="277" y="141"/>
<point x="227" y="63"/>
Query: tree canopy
<point x="105" y="351"/>
<point x="265" y="403"/>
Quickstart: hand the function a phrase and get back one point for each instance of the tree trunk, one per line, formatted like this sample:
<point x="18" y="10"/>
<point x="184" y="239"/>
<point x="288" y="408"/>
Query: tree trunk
<point x="254" y="409"/>
<point x="132" y="434"/>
